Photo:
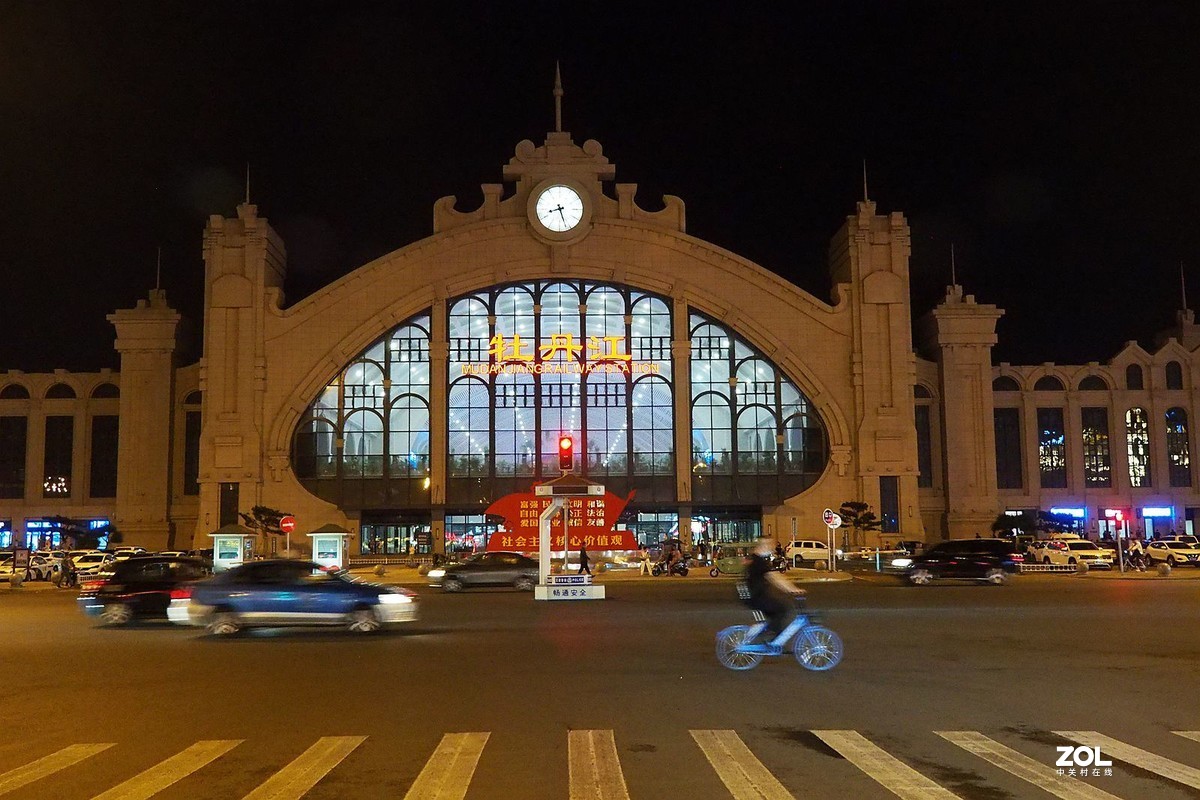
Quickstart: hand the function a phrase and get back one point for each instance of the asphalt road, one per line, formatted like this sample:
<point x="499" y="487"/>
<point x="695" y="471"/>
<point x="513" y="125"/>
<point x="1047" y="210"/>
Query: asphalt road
<point x="1014" y="663"/>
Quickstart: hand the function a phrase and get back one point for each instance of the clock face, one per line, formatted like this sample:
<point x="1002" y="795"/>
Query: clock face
<point x="559" y="208"/>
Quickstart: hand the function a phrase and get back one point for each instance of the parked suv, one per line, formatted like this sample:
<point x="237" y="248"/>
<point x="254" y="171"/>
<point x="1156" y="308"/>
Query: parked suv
<point x="808" y="552"/>
<point x="991" y="560"/>
<point x="1075" y="551"/>
<point x="1173" y="552"/>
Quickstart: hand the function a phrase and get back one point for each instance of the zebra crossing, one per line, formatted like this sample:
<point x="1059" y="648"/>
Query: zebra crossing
<point x="595" y="770"/>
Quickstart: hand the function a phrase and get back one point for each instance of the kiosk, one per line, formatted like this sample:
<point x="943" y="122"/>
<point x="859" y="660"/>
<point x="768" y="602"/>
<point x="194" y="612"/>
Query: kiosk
<point x="232" y="546"/>
<point x="329" y="545"/>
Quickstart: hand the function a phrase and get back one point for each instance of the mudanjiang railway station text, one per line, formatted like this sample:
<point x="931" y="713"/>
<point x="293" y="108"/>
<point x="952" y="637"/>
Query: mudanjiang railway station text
<point x="404" y="399"/>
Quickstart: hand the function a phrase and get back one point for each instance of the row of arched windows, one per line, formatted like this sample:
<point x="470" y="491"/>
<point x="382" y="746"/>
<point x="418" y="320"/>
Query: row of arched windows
<point x="59" y="391"/>
<point x="1093" y="383"/>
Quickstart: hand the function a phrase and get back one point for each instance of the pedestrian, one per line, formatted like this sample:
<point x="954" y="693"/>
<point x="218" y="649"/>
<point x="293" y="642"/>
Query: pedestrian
<point x="703" y="553"/>
<point x="644" y="556"/>
<point x="583" y="561"/>
<point x="66" y="571"/>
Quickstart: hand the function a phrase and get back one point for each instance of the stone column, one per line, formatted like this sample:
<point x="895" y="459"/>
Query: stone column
<point x="963" y="332"/>
<point x="146" y="342"/>
<point x="681" y="380"/>
<point x="439" y="416"/>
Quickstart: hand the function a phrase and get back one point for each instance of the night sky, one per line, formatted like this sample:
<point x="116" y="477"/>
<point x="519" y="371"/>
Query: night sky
<point x="1056" y="145"/>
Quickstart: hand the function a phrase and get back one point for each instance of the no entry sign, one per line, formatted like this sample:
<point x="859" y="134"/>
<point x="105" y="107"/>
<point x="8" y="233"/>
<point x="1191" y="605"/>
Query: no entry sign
<point x="287" y="524"/>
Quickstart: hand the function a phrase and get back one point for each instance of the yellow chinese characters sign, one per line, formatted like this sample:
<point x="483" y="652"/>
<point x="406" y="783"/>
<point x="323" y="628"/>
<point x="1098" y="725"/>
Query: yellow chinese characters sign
<point x="513" y="355"/>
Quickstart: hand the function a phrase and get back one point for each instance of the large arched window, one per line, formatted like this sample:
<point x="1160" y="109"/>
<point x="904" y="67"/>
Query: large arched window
<point x="1179" y="449"/>
<point x="1137" y="438"/>
<point x="372" y="420"/>
<point x="588" y="360"/>
<point x="749" y="423"/>
<point x="1048" y="383"/>
<point x="1133" y="377"/>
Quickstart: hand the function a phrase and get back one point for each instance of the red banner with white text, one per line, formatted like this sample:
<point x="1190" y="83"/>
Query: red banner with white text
<point x="590" y="522"/>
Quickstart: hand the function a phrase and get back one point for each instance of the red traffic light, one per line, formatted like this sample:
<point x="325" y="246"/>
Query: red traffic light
<point x="566" y="453"/>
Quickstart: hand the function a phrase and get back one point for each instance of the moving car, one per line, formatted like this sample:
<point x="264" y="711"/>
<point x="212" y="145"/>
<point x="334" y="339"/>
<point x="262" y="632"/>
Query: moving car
<point x="1075" y="551"/>
<point x="138" y="587"/>
<point x="807" y="552"/>
<point x="1173" y="552"/>
<point x="487" y="569"/>
<point x="991" y="560"/>
<point x="283" y="592"/>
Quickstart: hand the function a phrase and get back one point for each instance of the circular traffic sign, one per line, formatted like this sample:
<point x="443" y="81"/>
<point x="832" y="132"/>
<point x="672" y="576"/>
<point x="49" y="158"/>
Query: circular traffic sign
<point x="287" y="524"/>
<point x="832" y="518"/>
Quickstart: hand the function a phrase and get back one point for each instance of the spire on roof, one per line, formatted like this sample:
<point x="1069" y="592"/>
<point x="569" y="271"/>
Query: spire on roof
<point x="866" y="197"/>
<point x="953" y="269"/>
<point x="158" y="271"/>
<point x="1182" y="289"/>
<point x="247" y="183"/>
<point x="558" y="93"/>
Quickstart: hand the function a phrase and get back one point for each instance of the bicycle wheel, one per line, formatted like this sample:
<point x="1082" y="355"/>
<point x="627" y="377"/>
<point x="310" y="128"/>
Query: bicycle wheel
<point x="728" y="641"/>
<point x="818" y="648"/>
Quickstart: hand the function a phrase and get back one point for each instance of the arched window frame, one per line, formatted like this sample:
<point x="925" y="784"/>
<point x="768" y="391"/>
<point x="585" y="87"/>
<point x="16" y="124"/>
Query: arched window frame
<point x="1137" y="446"/>
<point x="1174" y="374"/>
<point x="1134" y="377"/>
<point x="1179" y="448"/>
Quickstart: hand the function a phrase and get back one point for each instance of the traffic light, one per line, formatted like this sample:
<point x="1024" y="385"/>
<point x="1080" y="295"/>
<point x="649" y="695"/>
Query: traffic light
<point x="566" y="453"/>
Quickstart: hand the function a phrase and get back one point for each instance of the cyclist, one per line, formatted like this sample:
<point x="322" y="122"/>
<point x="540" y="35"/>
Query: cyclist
<point x="770" y="592"/>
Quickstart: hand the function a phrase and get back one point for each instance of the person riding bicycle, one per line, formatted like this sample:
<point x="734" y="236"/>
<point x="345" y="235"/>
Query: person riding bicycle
<point x="770" y="592"/>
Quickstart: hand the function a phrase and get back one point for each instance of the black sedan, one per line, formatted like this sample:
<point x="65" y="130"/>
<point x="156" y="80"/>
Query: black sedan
<point x="487" y="569"/>
<point x="138" y="588"/>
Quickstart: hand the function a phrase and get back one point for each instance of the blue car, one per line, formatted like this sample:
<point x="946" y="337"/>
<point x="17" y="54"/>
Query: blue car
<point x="288" y="592"/>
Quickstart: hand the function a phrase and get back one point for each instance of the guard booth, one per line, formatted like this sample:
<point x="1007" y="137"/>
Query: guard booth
<point x="232" y="545"/>
<point x="329" y="544"/>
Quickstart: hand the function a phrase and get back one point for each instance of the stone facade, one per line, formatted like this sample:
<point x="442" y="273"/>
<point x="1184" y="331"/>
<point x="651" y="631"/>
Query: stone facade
<point x="852" y="355"/>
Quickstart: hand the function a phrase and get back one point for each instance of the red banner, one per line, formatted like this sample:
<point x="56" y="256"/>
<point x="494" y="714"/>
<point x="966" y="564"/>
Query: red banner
<point x="590" y="521"/>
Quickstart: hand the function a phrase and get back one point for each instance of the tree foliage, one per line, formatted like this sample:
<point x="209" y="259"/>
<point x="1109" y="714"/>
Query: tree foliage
<point x="1024" y="523"/>
<point x="263" y="518"/>
<point x="77" y="535"/>
<point x="858" y="516"/>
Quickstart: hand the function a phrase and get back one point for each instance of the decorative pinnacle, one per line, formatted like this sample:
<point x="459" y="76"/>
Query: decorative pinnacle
<point x="558" y="93"/>
<point x="953" y="272"/>
<point x="866" y="198"/>
<point x="1182" y="288"/>
<point x="247" y="183"/>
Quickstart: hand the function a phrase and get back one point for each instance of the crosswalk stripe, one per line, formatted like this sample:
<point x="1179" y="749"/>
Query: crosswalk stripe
<point x="887" y="770"/>
<point x="48" y="765"/>
<point x="1193" y="735"/>
<point x="593" y="766"/>
<point x="164" y="773"/>
<point x="743" y="775"/>
<point x="1112" y="748"/>
<point x="448" y="772"/>
<point x="1040" y="775"/>
<point x="293" y="781"/>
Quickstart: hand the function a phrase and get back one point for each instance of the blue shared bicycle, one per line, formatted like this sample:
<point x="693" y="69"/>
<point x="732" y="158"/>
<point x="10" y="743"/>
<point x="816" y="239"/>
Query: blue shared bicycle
<point x="815" y="646"/>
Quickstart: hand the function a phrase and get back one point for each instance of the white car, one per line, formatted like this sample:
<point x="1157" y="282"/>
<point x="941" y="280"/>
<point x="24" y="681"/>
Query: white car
<point x="1173" y="553"/>
<point x="807" y="552"/>
<point x="1076" y="551"/>
<point x="128" y="552"/>
<point x="92" y="563"/>
<point x="39" y="568"/>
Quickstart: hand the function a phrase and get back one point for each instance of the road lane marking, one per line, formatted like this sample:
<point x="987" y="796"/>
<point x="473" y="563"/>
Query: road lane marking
<point x="297" y="778"/>
<point x="1112" y="748"/>
<point x="1193" y="735"/>
<point x="887" y="770"/>
<point x="743" y="775"/>
<point x="448" y="772"/>
<point x="164" y="773"/>
<point x="67" y="757"/>
<point x="593" y="766"/>
<point x="1028" y="769"/>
